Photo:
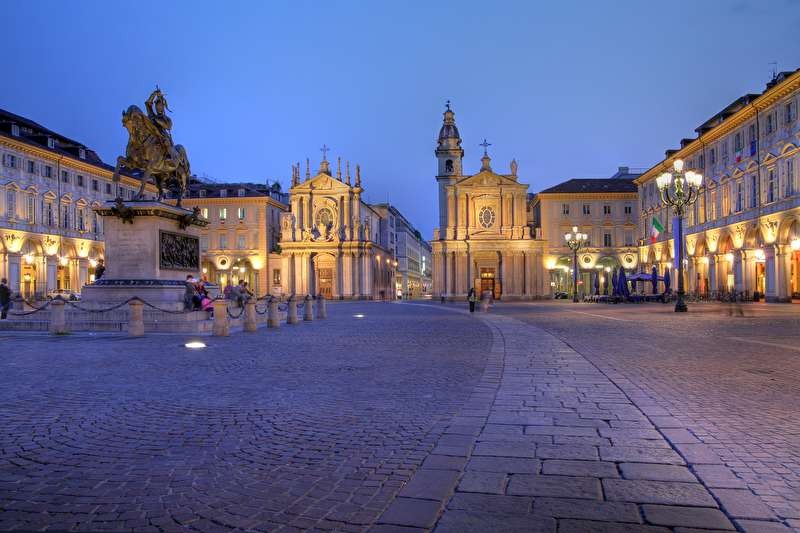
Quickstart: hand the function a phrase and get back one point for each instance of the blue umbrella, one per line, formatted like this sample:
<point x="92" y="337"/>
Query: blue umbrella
<point x="654" y="280"/>
<point x="622" y="281"/>
<point x="666" y="280"/>
<point x="596" y="283"/>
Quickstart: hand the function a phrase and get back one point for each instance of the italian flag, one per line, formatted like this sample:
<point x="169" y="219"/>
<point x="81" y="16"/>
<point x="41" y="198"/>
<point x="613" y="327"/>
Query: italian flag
<point x="656" y="229"/>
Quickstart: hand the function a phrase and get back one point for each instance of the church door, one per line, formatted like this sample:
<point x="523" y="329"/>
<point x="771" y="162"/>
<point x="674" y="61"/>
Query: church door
<point x="489" y="283"/>
<point x="324" y="274"/>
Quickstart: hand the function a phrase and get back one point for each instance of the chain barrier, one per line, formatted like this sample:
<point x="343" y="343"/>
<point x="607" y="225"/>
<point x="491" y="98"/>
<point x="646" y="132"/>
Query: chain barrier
<point x="264" y="312"/>
<point x="231" y="315"/>
<point x="35" y="309"/>
<point x="104" y="310"/>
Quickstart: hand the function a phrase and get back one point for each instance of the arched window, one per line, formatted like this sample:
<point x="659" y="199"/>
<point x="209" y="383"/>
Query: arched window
<point x="448" y="165"/>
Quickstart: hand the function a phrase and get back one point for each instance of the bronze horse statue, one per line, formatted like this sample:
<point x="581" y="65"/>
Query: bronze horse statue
<point x="151" y="152"/>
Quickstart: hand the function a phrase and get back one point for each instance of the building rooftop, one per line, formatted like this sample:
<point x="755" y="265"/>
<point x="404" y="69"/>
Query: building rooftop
<point x="204" y="189"/>
<point x="594" y="185"/>
<point x="29" y="132"/>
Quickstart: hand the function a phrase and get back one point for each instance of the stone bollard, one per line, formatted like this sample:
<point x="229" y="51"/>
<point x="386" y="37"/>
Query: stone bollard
<point x="322" y="307"/>
<point x="273" y="318"/>
<point x="291" y="314"/>
<point x="485" y="302"/>
<point x="221" y="327"/>
<point x="136" y="320"/>
<point x="308" y="309"/>
<point x="58" y="320"/>
<point x="250" y="315"/>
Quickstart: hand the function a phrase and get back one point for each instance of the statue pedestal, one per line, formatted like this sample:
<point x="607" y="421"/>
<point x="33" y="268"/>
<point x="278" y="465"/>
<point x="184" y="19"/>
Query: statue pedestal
<point x="150" y="247"/>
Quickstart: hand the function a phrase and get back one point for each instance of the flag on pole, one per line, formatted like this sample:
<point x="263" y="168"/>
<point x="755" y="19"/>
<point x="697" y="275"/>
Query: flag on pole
<point x="656" y="229"/>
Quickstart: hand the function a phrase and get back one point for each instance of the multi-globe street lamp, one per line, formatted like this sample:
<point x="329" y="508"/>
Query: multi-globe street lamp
<point x="575" y="240"/>
<point x="679" y="190"/>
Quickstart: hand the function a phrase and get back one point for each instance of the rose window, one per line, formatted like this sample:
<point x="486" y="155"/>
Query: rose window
<point x="486" y="217"/>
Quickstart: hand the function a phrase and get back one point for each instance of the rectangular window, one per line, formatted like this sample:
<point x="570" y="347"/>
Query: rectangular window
<point x="31" y="167"/>
<point x="737" y="142"/>
<point x="95" y="224"/>
<point x="713" y="156"/>
<point x="81" y="221"/>
<point x="95" y="185"/>
<point x="11" y="204"/>
<point x="223" y="213"/>
<point x="204" y="212"/>
<point x="565" y="209"/>
<point x="64" y="216"/>
<point x="241" y="242"/>
<point x="48" y="171"/>
<point x="789" y="113"/>
<point x="789" y="177"/>
<point x="770" y="124"/>
<point x="628" y="237"/>
<point x="64" y="176"/>
<point x="606" y="209"/>
<point x="712" y="205"/>
<point x="108" y="188"/>
<point x="203" y="243"/>
<point x="79" y="180"/>
<point x="241" y="213"/>
<point x="628" y="209"/>
<point x="223" y="241"/>
<point x="753" y="191"/>
<point x="276" y="276"/>
<point x="31" y="209"/>
<point x="726" y="200"/>
<point x="771" y="185"/>
<point x="587" y="210"/>
<point x="739" y="195"/>
<point x="725" y="150"/>
<point x="240" y="192"/>
<point x="10" y="160"/>
<point x="607" y="240"/>
<point x="48" y="209"/>
<point x="701" y="162"/>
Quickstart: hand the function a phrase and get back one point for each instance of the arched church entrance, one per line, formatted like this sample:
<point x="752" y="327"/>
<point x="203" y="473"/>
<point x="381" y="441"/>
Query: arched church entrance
<point x="487" y="267"/>
<point x="324" y="274"/>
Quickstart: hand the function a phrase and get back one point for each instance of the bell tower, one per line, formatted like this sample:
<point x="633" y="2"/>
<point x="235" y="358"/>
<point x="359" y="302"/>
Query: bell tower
<point x="448" y="148"/>
<point x="449" y="155"/>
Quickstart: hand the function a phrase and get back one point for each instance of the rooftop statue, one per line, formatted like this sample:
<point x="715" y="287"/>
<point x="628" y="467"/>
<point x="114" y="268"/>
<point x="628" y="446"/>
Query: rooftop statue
<point x="150" y="152"/>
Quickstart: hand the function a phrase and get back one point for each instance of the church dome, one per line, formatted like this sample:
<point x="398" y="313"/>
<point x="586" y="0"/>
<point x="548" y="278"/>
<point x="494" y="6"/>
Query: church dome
<point x="449" y="129"/>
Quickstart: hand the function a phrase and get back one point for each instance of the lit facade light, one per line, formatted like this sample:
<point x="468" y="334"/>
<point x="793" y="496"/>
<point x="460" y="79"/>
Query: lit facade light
<point x="678" y="165"/>
<point x="795" y="244"/>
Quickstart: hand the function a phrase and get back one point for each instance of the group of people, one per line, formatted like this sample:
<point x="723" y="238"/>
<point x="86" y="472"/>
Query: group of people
<point x="195" y="297"/>
<point x="238" y="293"/>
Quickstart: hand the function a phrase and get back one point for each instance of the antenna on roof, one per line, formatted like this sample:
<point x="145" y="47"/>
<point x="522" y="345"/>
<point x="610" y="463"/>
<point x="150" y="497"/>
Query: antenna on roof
<point x="773" y="72"/>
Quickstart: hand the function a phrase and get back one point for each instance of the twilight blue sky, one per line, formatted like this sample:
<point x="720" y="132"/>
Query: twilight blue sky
<point x="569" y="88"/>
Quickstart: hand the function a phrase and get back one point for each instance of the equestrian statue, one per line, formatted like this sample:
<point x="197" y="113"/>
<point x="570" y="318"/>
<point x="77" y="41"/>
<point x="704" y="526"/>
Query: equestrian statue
<point x="150" y="152"/>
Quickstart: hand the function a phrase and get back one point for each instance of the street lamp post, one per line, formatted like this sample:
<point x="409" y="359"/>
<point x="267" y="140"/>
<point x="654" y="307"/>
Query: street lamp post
<point x="679" y="190"/>
<point x="575" y="240"/>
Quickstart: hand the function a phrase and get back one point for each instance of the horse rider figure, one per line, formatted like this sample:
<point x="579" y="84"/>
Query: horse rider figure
<point x="157" y="106"/>
<point x="150" y="148"/>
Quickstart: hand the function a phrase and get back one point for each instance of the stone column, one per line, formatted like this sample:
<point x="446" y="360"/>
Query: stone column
<point x="250" y="315"/>
<point x="783" y="271"/>
<point x="348" y="219"/>
<point x="738" y="271"/>
<point x="221" y="327"/>
<point x="712" y="274"/>
<point x="461" y="273"/>
<point x="367" y="269"/>
<point x="83" y="272"/>
<point x="58" y="320"/>
<point x="770" y="273"/>
<point x="136" y="319"/>
<point x="14" y="273"/>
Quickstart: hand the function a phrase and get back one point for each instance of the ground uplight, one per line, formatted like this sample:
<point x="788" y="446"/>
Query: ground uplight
<point x="195" y="344"/>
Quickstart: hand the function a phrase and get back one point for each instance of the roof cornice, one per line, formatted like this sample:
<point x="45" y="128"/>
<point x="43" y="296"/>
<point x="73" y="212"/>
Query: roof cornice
<point x="765" y="100"/>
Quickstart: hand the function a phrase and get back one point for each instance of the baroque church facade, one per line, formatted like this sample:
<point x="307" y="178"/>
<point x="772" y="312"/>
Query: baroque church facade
<point x="484" y="240"/>
<point x="331" y="239"/>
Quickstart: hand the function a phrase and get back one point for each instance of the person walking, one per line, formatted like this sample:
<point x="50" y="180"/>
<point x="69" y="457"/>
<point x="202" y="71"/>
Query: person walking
<point x="5" y="298"/>
<point x="472" y="299"/>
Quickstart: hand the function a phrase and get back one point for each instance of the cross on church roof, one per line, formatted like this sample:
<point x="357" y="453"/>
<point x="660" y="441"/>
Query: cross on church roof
<point x="485" y="146"/>
<point x="324" y="151"/>
<point x="448" y="105"/>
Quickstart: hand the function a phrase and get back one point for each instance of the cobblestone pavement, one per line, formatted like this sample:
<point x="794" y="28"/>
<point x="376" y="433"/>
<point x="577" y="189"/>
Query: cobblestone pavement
<point x="311" y="426"/>
<point x="723" y="389"/>
<point x="412" y="418"/>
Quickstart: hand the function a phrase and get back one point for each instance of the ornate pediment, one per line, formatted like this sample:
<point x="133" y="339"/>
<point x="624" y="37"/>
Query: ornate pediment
<point x="320" y="182"/>
<point x="486" y="178"/>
